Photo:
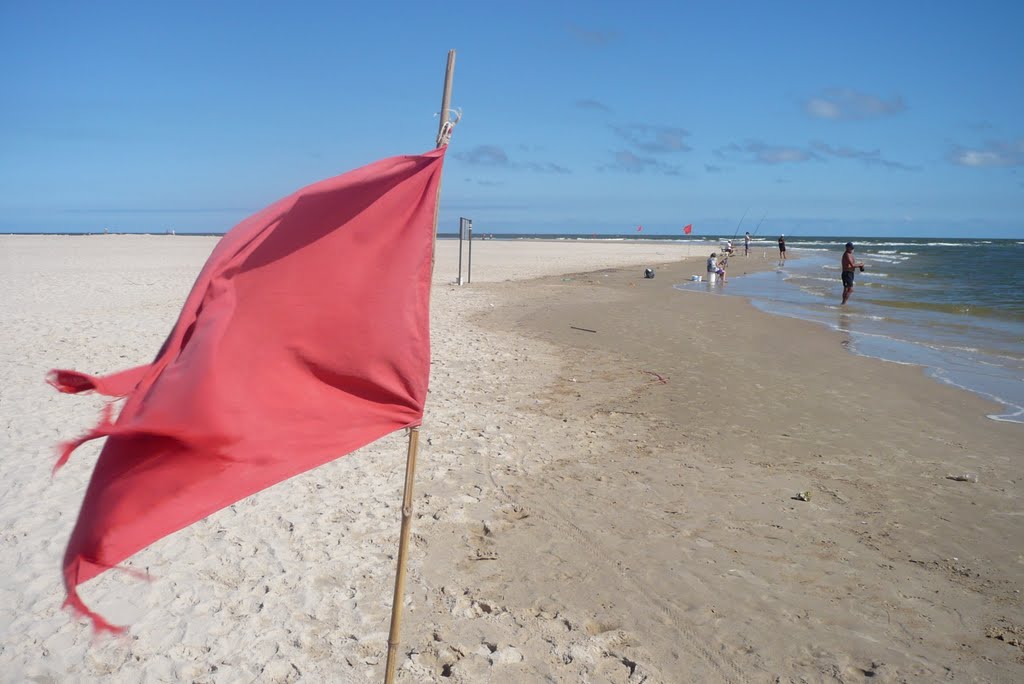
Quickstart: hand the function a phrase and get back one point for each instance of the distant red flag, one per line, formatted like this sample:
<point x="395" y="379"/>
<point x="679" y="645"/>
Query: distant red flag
<point x="305" y="337"/>
<point x="639" y="228"/>
<point x="688" y="229"/>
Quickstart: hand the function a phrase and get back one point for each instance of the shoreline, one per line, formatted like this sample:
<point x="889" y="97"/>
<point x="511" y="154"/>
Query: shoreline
<point x="892" y="349"/>
<point x="968" y="362"/>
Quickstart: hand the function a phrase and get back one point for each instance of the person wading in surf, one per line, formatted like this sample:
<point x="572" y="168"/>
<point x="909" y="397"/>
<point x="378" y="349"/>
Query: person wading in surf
<point x="850" y="266"/>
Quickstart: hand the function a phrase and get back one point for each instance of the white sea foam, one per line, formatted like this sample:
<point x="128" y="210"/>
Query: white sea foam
<point x="1012" y="416"/>
<point x="824" y="280"/>
<point x="887" y="259"/>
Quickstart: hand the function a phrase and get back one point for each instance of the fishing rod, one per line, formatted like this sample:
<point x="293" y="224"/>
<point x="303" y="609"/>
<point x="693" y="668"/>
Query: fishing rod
<point x="740" y="223"/>
<point x="759" y="224"/>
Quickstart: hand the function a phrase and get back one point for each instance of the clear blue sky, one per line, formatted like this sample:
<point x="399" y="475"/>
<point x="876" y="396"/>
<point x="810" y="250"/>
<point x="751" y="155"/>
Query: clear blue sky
<point x="844" y="118"/>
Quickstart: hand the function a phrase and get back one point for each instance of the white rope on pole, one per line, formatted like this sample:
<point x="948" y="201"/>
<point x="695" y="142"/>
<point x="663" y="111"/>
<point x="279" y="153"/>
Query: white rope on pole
<point x="444" y="136"/>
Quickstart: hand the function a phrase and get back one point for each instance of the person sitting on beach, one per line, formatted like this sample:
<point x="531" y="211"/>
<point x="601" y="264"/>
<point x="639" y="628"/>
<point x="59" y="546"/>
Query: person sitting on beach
<point x="717" y="267"/>
<point x="727" y="247"/>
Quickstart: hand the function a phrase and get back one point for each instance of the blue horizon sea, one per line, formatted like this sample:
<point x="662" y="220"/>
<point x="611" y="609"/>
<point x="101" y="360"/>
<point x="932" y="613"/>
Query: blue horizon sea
<point x="953" y="306"/>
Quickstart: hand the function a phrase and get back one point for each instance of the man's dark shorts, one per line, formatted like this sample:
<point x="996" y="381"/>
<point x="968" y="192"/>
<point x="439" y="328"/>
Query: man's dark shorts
<point x="848" y="278"/>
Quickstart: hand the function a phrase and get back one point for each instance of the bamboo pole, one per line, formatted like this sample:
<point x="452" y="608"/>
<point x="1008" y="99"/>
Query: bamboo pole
<point x="446" y="102"/>
<point x="414" y="434"/>
<point x="446" y="95"/>
<point x="403" y="550"/>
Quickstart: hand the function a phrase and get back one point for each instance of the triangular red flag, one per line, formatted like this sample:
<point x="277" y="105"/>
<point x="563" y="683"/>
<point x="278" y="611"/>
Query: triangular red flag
<point x="688" y="229"/>
<point x="306" y="336"/>
<point x="639" y="228"/>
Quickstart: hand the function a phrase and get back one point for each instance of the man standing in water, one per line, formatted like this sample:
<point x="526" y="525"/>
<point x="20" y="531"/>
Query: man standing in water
<point x="850" y="266"/>
<point x="782" y="248"/>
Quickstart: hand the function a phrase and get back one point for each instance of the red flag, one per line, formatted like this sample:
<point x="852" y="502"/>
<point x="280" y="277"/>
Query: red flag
<point x="639" y="228"/>
<point x="305" y="337"/>
<point x="688" y="229"/>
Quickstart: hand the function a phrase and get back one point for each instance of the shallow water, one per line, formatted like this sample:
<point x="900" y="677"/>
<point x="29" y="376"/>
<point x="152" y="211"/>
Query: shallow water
<point x="953" y="306"/>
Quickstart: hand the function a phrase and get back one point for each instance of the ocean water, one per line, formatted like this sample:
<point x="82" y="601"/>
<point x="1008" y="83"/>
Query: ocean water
<point x="955" y="307"/>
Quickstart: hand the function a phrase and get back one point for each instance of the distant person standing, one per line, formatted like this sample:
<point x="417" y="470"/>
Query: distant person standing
<point x="782" y="248"/>
<point x="746" y="244"/>
<point x="850" y="266"/>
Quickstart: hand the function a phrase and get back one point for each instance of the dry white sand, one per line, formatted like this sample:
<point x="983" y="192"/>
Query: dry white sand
<point x="292" y="583"/>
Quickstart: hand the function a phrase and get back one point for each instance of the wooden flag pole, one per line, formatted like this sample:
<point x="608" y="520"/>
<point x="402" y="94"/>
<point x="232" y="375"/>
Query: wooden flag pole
<point x="403" y="550"/>
<point x="414" y="433"/>
<point x="446" y="102"/>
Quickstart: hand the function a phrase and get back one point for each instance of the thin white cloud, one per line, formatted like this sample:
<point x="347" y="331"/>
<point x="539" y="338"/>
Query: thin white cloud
<point x="634" y="163"/>
<point x="980" y="125"/>
<point x="840" y="104"/>
<point x="763" y="153"/>
<point x="995" y="153"/>
<point x="868" y="157"/>
<point x="656" y="139"/>
<point x="823" y="109"/>
<point x="591" y="37"/>
<point x="593" y="104"/>
<point x="493" y="156"/>
<point x="545" y="167"/>
<point x="484" y="155"/>
<point x="760" y="152"/>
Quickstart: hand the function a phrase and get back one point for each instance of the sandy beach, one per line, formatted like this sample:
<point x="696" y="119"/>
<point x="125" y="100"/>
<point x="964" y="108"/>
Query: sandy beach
<point x="607" y="492"/>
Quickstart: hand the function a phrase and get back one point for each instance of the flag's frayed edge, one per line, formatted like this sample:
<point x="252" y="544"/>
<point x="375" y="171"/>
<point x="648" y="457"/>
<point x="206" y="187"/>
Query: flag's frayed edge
<point x="113" y="385"/>
<point x="103" y="429"/>
<point x="71" y="382"/>
<point x="78" y="607"/>
<point x="73" y="601"/>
